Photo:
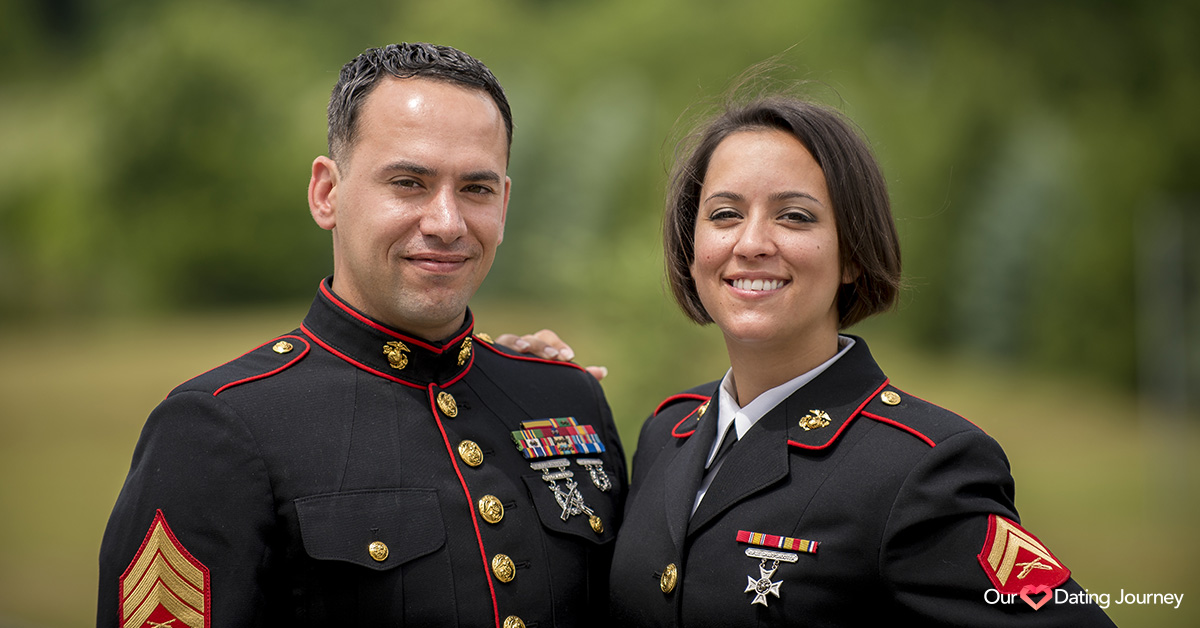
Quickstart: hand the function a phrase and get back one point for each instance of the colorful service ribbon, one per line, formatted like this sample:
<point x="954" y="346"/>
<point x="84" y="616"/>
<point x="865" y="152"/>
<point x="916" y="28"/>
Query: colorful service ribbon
<point x="781" y="542"/>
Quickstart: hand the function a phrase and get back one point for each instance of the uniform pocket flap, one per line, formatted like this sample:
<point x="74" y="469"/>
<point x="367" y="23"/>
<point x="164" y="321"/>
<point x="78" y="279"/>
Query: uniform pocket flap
<point x="379" y="529"/>
<point x="597" y="527"/>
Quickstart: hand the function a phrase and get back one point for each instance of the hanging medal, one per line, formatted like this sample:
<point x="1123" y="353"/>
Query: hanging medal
<point x="599" y="476"/>
<point x="764" y="586"/>
<point x="761" y="587"/>
<point x="569" y="499"/>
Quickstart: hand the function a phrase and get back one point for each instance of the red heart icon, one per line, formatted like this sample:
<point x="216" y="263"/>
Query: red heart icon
<point x="1041" y="588"/>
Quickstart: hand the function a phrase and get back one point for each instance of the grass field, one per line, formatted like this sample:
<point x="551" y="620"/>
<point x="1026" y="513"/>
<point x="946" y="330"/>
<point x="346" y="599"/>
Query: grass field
<point x="1109" y="485"/>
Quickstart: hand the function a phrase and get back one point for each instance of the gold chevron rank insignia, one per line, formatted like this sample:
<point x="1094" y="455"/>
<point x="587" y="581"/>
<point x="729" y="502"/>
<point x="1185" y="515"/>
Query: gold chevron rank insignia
<point x="1014" y="559"/>
<point x="164" y="585"/>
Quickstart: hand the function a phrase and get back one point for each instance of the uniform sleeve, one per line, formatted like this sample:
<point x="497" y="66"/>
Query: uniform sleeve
<point x="937" y="529"/>
<point x="197" y="502"/>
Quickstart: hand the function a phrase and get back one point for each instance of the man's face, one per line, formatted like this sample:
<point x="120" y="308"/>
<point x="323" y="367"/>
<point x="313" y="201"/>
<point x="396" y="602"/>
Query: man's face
<point x="417" y="205"/>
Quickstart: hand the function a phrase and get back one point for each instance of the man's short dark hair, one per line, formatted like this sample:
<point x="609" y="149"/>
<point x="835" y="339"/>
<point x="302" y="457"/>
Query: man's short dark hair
<point x="867" y="240"/>
<point x="441" y="63"/>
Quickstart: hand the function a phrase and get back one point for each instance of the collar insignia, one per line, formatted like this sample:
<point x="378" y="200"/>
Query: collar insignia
<point x="815" y="419"/>
<point x="394" y="351"/>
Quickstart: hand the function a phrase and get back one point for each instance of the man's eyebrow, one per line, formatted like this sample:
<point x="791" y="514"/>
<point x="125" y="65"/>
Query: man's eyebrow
<point x="410" y="167"/>
<point x="481" y="176"/>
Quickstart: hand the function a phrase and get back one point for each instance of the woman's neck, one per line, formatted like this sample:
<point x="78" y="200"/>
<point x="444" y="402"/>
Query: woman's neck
<point x="758" y="368"/>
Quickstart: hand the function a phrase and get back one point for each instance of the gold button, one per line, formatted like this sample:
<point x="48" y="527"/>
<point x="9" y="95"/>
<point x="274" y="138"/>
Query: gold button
<point x="470" y="453"/>
<point x="667" y="581"/>
<point x="378" y="550"/>
<point x="597" y="524"/>
<point x="890" y="398"/>
<point x="512" y="621"/>
<point x="491" y="509"/>
<point x="446" y="402"/>
<point x="701" y="410"/>
<point x="282" y="347"/>
<point x="503" y="568"/>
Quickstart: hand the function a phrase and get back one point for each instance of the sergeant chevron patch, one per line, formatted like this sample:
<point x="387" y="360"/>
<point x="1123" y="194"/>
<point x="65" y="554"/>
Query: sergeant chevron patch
<point x="1014" y="559"/>
<point x="164" y="585"/>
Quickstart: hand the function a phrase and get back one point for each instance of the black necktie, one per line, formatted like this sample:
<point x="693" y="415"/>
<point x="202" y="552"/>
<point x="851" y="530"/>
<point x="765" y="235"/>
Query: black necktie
<point x="726" y="445"/>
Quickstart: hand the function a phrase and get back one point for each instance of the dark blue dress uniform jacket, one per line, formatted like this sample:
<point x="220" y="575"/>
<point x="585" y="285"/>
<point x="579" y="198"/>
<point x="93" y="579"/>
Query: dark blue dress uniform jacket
<point x="278" y="471"/>
<point x="898" y="498"/>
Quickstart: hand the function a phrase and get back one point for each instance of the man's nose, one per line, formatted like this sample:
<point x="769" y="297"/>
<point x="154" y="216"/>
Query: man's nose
<point x="443" y="218"/>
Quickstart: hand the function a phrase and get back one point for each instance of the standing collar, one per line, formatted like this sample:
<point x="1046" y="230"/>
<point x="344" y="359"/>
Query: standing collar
<point x="385" y="351"/>
<point x="743" y="418"/>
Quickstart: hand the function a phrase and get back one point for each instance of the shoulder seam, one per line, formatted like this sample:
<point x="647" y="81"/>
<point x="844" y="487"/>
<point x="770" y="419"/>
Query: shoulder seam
<point x="898" y="425"/>
<point x="271" y="372"/>
<point x="528" y="358"/>
<point x="678" y="397"/>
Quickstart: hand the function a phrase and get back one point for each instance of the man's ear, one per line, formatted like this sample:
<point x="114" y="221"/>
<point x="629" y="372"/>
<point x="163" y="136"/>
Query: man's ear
<point x="504" y="208"/>
<point x="322" y="192"/>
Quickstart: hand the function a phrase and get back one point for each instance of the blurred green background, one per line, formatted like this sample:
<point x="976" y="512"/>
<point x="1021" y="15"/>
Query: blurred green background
<point x="1042" y="158"/>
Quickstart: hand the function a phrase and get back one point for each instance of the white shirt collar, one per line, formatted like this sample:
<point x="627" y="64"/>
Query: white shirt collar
<point x="745" y="418"/>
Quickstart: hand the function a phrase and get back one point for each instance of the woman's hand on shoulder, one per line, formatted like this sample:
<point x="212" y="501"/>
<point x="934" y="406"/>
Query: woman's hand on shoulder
<point x="546" y="344"/>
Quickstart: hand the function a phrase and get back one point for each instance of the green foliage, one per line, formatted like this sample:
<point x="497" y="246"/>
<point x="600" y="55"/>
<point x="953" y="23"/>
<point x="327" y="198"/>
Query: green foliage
<point x="155" y="154"/>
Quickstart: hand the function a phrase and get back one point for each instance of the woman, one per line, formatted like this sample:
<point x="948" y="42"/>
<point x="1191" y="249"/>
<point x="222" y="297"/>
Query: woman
<point x="802" y="488"/>
<point x="836" y="499"/>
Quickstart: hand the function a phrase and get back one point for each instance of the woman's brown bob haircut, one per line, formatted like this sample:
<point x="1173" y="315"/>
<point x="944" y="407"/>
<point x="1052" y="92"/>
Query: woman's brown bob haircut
<point x="867" y="240"/>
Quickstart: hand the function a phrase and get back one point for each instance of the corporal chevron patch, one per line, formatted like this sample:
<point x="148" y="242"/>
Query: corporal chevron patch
<point x="164" y="584"/>
<point x="1014" y="559"/>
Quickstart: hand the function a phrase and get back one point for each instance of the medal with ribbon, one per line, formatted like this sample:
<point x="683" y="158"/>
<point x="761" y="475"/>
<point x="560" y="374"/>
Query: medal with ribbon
<point x="764" y="585"/>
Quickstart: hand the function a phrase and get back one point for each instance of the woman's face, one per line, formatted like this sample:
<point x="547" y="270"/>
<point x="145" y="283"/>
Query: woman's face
<point x="766" y="255"/>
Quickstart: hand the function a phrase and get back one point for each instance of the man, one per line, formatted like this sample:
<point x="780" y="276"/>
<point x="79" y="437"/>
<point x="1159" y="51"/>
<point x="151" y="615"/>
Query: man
<point x="381" y="464"/>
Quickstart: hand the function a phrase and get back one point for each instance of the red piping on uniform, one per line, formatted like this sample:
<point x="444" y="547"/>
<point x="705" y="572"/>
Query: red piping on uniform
<point x="674" y="430"/>
<point x="897" y="424"/>
<point x="360" y="365"/>
<point x="679" y="396"/>
<point x="528" y="358"/>
<point x="959" y="415"/>
<point x="470" y="506"/>
<point x="843" y="427"/>
<point x="268" y="373"/>
<point x="370" y="323"/>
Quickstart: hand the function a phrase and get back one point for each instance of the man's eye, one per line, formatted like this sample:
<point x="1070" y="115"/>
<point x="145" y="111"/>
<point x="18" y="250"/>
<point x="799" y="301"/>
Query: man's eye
<point x="478" y="189"/>
<point x="406" y="183"/>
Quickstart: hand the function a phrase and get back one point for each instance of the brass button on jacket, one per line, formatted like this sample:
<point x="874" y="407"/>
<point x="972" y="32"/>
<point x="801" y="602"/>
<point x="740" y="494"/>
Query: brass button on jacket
<point x="470" y="453"/>
<point x="667" y="581"/>
<point x="503" y="568"/>
<point x="491" y="509"/>
<point x="378" y="551"/>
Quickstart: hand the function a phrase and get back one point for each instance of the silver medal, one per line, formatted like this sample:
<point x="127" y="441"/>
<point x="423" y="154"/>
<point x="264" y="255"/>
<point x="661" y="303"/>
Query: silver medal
<point x="569" y="499"/>
<point x="599" y="476"/>
<point x="761" y="587"/>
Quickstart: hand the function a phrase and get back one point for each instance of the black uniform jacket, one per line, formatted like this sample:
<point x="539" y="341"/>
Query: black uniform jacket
<point x="347" y="474"/>
<point x="897" y="494"/>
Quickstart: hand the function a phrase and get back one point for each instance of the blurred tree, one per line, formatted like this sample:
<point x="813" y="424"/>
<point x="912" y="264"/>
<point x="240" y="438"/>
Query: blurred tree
<point x="155" y="154"/>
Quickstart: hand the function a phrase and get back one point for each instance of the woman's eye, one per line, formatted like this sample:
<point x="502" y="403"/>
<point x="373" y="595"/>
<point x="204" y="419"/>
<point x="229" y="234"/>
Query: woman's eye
<point x="798" y="215"/>
<point x="723" y="213"/>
